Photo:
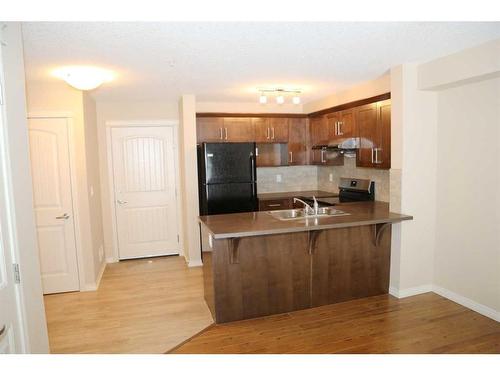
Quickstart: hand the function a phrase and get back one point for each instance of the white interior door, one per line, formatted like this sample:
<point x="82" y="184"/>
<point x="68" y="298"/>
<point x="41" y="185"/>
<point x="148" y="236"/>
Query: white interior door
<point x="10" y="321"/>
<point x="145" y="191"/>
<point x="50" y="168"/>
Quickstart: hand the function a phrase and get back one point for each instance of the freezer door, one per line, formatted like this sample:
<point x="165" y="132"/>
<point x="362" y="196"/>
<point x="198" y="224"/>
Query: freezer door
<point x="229" y="162"/>
<point x="230" y="198"/>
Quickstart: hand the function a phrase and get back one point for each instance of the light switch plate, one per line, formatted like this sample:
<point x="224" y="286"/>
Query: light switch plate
<point x="279" y="178"/>
<point x="331" y="177"/>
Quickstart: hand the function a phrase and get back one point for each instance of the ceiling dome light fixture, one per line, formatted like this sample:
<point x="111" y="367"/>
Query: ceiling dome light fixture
<point x="83" y="77"/>
<point x="280" y="94"/>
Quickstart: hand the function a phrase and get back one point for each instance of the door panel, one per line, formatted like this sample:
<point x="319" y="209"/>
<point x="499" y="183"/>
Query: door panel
<point x="366" y="122"/>
<point x="318" y="127"/>
<point x="209" y="129"/>
<point x="50" y="167"/>
<point x="225" y="198"/>
<point x="297" y="141"/>
<point x="229" y="162"/>
<point x="278" y="129"/>
<point x="261" y="128"/>
<point x="383" y="152"/>
<point x="238" y="129"/>
<point x="145" y="196"/>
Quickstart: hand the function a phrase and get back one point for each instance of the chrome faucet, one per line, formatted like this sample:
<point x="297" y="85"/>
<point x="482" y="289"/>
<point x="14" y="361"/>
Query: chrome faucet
<point x="308" y="209"/>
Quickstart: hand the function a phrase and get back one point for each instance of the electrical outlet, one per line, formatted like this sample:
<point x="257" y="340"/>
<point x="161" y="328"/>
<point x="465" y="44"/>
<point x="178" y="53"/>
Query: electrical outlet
<point x="331" y="177"/>
<point x="279" y="178"/>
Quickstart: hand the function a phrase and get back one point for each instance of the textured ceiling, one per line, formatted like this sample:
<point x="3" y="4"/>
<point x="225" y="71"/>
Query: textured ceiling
<point x="225" y="61"/>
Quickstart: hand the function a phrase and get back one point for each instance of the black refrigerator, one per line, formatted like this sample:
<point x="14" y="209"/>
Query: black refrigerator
<point x="227" y="178"/>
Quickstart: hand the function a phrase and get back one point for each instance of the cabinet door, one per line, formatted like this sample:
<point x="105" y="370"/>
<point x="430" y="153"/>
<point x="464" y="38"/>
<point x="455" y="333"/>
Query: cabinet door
<point x="346" y="127"/>
<point x="297" y="143"/>
<point x="347" y="265"/>
<point x="318" y="128"/>
<point x="238" y="129"/>
<point x="332" y="121"/>
<point x="382" y="152"/>
<point x="366" y="122"/>
<point x="279" y="129"/>
<point x="209" y="129"/>
<point x="262" y="130"/>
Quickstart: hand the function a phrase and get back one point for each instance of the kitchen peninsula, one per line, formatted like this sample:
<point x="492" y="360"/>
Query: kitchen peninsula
<point x="255" y="264"/>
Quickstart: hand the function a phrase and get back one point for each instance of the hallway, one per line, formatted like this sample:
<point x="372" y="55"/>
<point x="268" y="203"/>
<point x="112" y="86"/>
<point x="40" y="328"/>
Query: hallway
<point x="142" y="306"/>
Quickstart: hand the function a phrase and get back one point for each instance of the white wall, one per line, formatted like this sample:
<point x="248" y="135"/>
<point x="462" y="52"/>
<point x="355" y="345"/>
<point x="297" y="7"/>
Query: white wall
<point x="122" y="111"/>
<point x="17" y="128"/>
<point x="247" y="107"/>
<point x="467" y="255"/>
<point x="59" y="97"/>
<point x="189" y="180"/>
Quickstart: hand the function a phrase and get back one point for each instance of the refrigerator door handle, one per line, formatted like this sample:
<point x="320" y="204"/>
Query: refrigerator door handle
<point x="252" y="166"/>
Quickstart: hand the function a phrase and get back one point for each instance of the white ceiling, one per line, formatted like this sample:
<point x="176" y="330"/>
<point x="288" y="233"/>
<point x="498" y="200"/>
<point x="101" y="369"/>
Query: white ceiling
<point x="226" y="61"/>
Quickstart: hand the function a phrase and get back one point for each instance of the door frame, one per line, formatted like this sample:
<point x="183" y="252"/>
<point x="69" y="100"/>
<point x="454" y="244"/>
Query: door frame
<point x="174" y="124"/>
<point x="68" y="116"/>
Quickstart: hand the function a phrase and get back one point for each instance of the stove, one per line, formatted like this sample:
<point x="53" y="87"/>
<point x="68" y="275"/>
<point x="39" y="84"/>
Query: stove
<point x="356" y="190"/>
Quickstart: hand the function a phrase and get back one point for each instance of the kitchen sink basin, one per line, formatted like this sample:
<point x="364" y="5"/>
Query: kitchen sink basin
<point x="301" y="214"/>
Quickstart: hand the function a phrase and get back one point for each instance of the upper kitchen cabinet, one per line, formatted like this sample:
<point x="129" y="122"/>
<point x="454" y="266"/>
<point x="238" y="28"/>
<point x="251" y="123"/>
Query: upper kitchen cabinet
<point x="210" y="129"/>
<point x="297" y="141"/>
<point x="238" y="129"/>
<point x="341" y="124"/>
<point x="373" y="122"/>
<point x="318" y="130"/>
<point x="270" y="129"/>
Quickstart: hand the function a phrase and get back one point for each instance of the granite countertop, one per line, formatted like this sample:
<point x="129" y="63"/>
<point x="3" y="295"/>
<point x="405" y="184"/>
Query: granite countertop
<point x="297" y="194"/>
<point x="262" y="223"/>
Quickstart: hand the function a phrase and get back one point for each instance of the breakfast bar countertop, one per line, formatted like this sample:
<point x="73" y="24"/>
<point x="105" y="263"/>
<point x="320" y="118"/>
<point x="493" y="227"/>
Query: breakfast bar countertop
<point x="262" y="223"/>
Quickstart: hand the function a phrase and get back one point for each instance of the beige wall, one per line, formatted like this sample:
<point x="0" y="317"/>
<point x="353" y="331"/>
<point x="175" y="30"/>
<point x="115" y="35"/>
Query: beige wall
<point x="247" y="107"/>
<point x="368" y="89"/>
<point x="25" y="240"/>
<point x="467" y="255"/>
<point x="93" y="181"/>
<point x="122" y="111"/>
<point x="189" y="180"/>
<point x="59" y="97"/>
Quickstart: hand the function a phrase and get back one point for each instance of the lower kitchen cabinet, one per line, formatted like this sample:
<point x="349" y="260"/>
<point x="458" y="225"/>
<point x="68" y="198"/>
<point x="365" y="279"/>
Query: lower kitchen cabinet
<point x="275" y="204"/>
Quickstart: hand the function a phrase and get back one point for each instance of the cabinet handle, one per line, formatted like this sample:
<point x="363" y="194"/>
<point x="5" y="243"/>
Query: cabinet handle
<point x="335" y="130"/>
<point x="274" y="205"/>
<point x="273" y="133"/>
<point x="340" y="129"/>
<point x="268" y="133"/>
<point x="377" y="161"/>
<point x="322" y="156"/>
<point x="220" y="131"/>
<point x="226" y="132"/>
<point x="291" y="157"/>
<point x="372" y="156"/>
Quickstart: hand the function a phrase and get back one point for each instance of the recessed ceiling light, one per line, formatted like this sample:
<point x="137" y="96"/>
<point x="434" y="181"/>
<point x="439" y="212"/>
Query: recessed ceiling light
<point x="83" y="77"/>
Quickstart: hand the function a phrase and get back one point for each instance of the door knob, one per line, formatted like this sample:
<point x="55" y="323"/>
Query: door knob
<point x="2" y="330"/>
<point x="65" y="216"/>
<point x="121" y="202"/>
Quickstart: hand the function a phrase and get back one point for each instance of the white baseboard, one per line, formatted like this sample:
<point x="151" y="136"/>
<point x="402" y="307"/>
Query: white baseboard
<point x="448" y="294"/>
<point x="403" y="293"/>
<point x="470" y="304"/>
<point x="195" y="263"/>
<point x="111" y="260"/>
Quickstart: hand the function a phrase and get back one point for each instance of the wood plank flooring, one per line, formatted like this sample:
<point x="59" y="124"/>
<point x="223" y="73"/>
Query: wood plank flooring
<point x="426" y="323"/>
<point x="142" y="306"/>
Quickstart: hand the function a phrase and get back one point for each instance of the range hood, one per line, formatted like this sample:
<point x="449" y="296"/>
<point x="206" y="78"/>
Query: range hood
<point x="344" y="146"/>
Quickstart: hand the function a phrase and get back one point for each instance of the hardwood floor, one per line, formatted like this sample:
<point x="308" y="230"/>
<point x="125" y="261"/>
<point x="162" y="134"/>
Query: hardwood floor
<point x="142" y="306"/>
<point x="426" y="323"/>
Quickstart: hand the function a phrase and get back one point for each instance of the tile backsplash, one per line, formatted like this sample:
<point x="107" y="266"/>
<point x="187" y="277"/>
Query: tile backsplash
<point x="278" y="179"/>
<point x="380" y="176"/>
<point x="311" y="177"/>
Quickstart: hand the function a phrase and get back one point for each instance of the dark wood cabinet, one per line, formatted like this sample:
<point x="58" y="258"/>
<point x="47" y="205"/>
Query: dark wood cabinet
<point x="373" y="122"/>
<point x="275" y="204"/>
<point x="318" y="129"/>
<point x="323" y="156"/>
<point x="341" y="125"/>
<point x="210" y="129"/>
<point x="278" y="127"/>
<point x="297" y="141"/>
<point x="271" y="154"/>
<point x="262" y="131"/>
<point x="238" y="129"/>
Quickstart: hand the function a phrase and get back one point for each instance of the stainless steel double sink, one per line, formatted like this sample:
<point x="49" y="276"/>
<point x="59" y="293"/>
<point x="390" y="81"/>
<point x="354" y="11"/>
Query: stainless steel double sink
<point x="295" y="214"/>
